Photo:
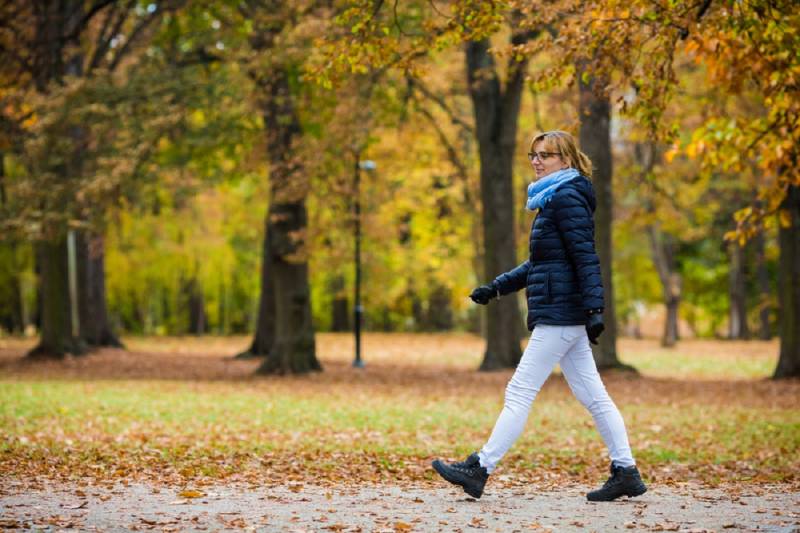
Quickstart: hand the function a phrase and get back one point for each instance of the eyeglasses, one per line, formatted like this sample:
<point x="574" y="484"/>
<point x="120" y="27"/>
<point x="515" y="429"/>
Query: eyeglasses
<point x="541" y="155"/>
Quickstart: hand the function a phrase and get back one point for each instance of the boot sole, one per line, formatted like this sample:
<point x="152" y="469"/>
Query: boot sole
<point x="442" y="471"/>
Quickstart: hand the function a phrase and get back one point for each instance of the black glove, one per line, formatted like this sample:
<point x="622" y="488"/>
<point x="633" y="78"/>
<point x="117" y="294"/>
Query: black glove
<point x="594" y="325"/>
<point x="483" y="294"/>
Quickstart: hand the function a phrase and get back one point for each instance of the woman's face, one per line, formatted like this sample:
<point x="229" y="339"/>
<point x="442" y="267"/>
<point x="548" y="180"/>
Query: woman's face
<point x="545" y="162"/>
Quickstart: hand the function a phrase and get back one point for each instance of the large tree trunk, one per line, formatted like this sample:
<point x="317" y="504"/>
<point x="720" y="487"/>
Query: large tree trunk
<point x="265" y="321"/>
<point x="737" y="291"/>
<point x="764" y="289"/>
<point x="496" y="116"/>
<point x="664" y="259"/>
<point x="789" y="286"/>
<point x="595" y="141"/>
<point x="293" y="349"/>
<point x="95" y="327"/>
<point x="57" y="337"/>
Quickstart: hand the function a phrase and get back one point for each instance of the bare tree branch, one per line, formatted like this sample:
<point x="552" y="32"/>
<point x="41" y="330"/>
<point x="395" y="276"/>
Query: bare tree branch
<point x="427" y="93"/>
<point x="104" y="40"/>
<point x="99" y="5"/>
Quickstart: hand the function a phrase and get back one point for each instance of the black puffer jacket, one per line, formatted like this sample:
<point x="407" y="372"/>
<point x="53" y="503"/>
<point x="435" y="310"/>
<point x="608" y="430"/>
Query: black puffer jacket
<point x="562" y="275"/>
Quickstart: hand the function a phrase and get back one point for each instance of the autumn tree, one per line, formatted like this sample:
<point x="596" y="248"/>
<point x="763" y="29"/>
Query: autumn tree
<point x="745" y="48"/>
<point x="50" y="51"/>
<point x="284" y="331"/>
<point x="496" y="107"/>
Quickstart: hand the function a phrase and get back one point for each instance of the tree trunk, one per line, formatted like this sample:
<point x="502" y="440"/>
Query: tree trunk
<point x="293" y="349"/>
<point x="57" y="338"/>
<point x="737" y="291"/>
<point x="95" y="327"/>
<point x="764" y="289"/>
<point x="496" y="116"/>
<point x="440" y="313"/>
<point x="222" y="309"/>
<point x="595" y="141"/>
<point x="12" y="318"/>
<point x="340" y="319"/>
<point x="198" y="322"/>
<point x="663" y="255"/>
<point x="789" y="286"/>
<point x="265" y="321"/>
<point x="417" y="311"/>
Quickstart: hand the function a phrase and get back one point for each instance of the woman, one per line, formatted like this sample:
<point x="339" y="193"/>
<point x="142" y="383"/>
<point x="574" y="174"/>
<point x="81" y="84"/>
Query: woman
<point x="565" y="304"/>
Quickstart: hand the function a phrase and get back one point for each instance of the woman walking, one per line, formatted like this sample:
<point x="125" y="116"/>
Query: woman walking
<point x="564" y="292"/>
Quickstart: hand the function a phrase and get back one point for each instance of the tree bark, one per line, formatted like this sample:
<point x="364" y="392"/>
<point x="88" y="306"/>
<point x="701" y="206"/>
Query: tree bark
<point x="595" y="141"/>
<point x="12" y="317"/>
<point x="340" y="319"/>
<point x="265" y="321"/>
<point x="440" y="313"/>
<point x="496" y="115"/>
<point x="57" y="338"/>
<point x="95" y="326"/>
<point x="195" y="304"/>
<point x="664" y="259"/>
<point x="789" y="286"/>
<point x="737" y="291"/>
<point x="293" y="349"/>
<point x="764" y="289"/>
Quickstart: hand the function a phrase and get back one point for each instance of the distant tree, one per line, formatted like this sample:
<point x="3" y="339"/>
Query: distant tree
<point x="49" y="50"/>
<point x="284" y="328"/>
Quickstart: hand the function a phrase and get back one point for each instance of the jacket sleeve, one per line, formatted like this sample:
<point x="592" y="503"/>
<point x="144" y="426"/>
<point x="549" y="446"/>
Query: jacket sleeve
<point x="513" y="280"/>
<point x="573" y="216"/>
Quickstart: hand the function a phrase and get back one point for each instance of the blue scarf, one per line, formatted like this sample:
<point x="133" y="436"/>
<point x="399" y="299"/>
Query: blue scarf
<point x="540" y="192"/>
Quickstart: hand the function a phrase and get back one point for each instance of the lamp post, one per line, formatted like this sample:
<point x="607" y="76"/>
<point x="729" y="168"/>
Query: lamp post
<point x="358" y="309"/>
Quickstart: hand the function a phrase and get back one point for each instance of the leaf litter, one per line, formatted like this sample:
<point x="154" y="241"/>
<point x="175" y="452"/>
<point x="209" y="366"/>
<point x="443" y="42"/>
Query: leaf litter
<point x="203" y="421"/>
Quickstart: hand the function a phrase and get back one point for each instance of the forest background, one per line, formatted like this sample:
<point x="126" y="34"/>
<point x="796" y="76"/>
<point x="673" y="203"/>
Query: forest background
<point x="199" y="163"/>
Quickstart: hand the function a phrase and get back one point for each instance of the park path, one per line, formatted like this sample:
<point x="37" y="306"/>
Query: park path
<point x="298" y="508"/>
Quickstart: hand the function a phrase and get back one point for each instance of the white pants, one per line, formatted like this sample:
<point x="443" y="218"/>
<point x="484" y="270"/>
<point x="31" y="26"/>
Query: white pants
<point x="569" y="347"/>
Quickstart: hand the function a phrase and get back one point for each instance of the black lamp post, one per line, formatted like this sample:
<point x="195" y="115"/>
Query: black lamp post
<point x="358" y="309"/>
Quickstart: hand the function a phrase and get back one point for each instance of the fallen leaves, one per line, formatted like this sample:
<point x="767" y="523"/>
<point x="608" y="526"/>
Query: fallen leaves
<point x="378" y="425"/>
<point x="191" y="493"/>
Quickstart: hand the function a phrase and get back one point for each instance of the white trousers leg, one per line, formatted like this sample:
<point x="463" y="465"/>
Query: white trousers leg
<point x="569" y="347"/>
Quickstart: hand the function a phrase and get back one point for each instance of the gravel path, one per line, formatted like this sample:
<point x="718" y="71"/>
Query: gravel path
<point x="137" y="507"/>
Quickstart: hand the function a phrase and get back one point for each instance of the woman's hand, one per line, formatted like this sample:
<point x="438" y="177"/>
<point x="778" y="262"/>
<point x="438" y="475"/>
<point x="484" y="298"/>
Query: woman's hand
<point x="595" y="326"/>
<point x="483" y="294"/>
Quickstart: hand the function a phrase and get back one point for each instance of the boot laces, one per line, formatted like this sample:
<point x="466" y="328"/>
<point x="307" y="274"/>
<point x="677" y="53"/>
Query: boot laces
<point x="468" y="466"/>
<point x="616" y="477"/>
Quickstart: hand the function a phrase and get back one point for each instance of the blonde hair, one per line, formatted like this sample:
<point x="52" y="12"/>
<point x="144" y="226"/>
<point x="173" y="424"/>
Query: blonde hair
<point x="564" y="144"/>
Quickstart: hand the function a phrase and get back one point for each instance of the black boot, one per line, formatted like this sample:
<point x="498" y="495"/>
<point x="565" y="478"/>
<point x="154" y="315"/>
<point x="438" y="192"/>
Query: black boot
<point x="469" y="474"/>
<point x="624" y="481"/>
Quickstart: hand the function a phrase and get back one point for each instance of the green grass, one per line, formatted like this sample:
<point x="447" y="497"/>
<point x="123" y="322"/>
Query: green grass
<point x="685" y="416"/>
<point x="183" y="424"/>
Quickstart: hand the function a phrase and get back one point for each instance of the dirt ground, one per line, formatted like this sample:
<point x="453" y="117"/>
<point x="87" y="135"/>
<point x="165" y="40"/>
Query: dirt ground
<point x="26" y="505"/>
